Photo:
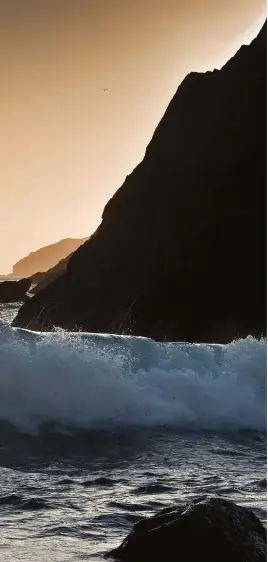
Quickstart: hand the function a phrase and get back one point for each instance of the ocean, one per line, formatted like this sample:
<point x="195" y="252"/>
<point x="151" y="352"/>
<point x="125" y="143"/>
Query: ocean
<point x="98" y="431"/>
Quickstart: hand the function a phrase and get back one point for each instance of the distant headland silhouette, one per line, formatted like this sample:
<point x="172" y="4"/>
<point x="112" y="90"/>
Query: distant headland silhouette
<point x="46" y="257"/>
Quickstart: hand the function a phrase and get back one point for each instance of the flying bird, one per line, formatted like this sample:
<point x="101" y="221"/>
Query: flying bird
<point x="105" y="89"/>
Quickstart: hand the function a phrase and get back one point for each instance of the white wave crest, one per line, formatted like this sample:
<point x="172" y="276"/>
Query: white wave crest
<point x="89" y="381"/>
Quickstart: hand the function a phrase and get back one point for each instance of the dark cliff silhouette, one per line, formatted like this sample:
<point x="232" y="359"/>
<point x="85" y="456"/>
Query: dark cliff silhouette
<point x="181" y="250"/>
<point x="46" y="257"/>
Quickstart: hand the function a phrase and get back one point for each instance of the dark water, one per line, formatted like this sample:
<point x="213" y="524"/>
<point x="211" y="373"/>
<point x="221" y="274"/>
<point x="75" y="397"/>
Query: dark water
<point x="74" y="498"/>
<point x="98" y="431"/>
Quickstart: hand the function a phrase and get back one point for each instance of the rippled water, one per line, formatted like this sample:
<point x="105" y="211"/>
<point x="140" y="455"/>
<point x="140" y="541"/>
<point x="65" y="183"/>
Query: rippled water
<point x="72" y="493"/>
<point x="8" y="312"/>
<point x="72" y="499"/>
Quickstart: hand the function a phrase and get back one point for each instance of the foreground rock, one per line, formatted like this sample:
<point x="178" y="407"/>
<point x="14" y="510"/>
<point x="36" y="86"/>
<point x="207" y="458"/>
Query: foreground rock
<point x="181" y="250"/>
<point x="14" y="291"/>
<point x="206" y="530"/>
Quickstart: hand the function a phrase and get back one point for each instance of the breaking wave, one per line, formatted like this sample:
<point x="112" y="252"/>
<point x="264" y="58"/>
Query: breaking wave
<point x="100" y="381"/>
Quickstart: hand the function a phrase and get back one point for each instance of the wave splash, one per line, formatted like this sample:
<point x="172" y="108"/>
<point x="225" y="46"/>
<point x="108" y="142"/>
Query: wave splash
<point x="102" y="381"/>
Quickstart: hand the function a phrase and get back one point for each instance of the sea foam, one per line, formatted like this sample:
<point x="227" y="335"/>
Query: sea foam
<point x="100" y="381"/>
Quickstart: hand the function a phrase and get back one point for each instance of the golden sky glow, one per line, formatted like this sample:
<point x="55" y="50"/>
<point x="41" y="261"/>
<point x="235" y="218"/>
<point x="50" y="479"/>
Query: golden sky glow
<point x="66" y="145"/>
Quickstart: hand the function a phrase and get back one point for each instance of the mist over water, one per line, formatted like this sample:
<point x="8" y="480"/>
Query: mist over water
<point x="97" y="431"/>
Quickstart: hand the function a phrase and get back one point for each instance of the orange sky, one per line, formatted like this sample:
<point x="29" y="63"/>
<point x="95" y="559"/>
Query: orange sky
<point x="66" y="145"/>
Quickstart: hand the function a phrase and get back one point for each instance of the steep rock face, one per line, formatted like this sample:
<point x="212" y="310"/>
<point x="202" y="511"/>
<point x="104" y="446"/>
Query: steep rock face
<point x="181" y="250"/>
<point x="207" y="530"/>
<point x="46" y="257"/>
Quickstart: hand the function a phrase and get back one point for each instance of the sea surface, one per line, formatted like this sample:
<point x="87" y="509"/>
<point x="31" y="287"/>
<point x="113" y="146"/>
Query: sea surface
<point x="97" y="431"/>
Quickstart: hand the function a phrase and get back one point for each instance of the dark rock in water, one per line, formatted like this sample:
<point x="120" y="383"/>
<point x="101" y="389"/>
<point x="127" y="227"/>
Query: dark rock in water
<point x="181" y="250"/>
<point x="35" y="277"/>
<point x="14" y="291"/>
<point x="205" y="530"/>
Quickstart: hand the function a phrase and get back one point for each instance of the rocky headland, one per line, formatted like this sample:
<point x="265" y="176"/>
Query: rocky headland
<point x="180" y="253"/>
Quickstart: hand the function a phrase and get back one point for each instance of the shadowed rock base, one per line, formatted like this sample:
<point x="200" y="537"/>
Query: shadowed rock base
<point x="14" y="291"/>
<point x="205" y="530"/>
